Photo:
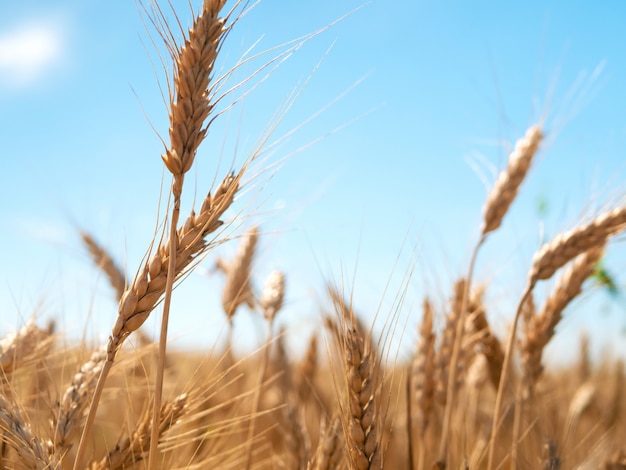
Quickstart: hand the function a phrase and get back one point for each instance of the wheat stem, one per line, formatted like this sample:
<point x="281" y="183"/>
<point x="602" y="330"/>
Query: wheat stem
<point x="456" y="350"/>
<point x="169" y="284"/>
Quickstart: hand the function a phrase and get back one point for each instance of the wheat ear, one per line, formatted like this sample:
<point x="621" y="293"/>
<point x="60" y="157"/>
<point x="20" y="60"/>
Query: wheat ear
<point x="362" y="429"/>
<point x="329" y="450"/>
<point x="273" y="294"/>
<point x="567" y="246"/>
<point x="105" y="262"/>
<point x="505" y="189"/>
<point x="69" y="413"/>
<point x="148" y="287"/>
<point x="490" y="345"/>
<point x="421" y="383"/>
<point x="32" y="451"/>
<point x="28" y="343"/>
<point x="238" y="288"/>
<point x="190" y="106"/>
<point x="550" y="257"/>
<point x="541" y="328"/>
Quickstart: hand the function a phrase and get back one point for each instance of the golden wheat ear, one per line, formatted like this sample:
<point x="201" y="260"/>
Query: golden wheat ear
<point x="105" y="262"/>
<point x="238" y="287"/>
<point x="542" y="326"/>
<point x="547" y="260"/>
<point x="329" y="452"/>
<point x="32" y="452"/>
<point x="507" y="185"/>
<point x="69" y="416"/>
<point x="28" y="344"/>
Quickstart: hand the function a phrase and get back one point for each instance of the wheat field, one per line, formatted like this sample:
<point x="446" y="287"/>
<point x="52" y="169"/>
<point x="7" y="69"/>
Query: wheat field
<point x="465" y="398"/>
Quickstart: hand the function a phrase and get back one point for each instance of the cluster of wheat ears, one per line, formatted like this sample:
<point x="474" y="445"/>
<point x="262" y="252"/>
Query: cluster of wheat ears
<point x="467" y="399"/>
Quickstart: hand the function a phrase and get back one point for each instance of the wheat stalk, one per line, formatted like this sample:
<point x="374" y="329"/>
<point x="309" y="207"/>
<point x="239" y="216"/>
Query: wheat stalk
<point x="264" y="364"/>
<point x="189" y="108"/>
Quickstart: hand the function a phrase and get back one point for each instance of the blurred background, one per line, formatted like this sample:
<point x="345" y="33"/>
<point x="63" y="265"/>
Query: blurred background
<point x="373" y="179"/>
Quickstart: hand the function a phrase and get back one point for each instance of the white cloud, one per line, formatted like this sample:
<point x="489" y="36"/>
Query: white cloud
<point x="28" y="52"/>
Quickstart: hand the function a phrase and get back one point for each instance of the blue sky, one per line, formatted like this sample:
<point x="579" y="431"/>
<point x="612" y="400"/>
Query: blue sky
<point x="438" y="94"/>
